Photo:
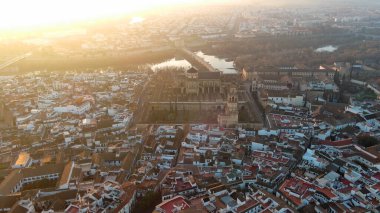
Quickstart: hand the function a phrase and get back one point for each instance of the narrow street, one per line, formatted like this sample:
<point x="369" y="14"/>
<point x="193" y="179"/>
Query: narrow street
<point x="253" y="105"/>
<point x="137" y="156"/>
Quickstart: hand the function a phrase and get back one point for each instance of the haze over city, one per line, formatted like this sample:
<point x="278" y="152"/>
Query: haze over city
<point x="43" y="13"/>
<point x="171" y="106"/>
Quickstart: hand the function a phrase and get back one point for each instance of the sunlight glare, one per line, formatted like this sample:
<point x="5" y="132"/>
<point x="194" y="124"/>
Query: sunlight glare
<point x="18" y="14"/>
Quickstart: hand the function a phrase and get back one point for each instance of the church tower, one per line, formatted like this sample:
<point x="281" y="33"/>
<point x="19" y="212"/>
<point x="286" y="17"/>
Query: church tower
<point x="232" y="100"/>
<point x="230" y="117"/>
<point x="255" y="82"/>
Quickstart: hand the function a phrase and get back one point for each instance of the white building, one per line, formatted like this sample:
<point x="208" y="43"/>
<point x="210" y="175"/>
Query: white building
<point x="258" y="146"/>
<point x="321" y="86"/>
<point x="77" y="110"/>
<point x="297" y="100"/>
<point x="314" y="160"/>
<point x="197" y="137"/>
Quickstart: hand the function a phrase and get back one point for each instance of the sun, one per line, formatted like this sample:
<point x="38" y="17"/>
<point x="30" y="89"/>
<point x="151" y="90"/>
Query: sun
<point x="24" y="14"/>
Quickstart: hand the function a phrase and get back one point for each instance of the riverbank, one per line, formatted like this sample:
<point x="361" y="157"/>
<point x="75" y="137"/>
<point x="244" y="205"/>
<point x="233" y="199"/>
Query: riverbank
<point x="83" y="63"/>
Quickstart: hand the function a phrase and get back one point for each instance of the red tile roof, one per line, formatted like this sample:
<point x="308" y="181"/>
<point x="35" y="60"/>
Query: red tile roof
<point x="340" y="143"/>
<point x="169" y="206"/>
<point x="251" y="168"/>
<point x="346" y="190"/>
<point x="377" y="175"/>
<point x="376" y="186"/>
<point x="180" y="185"/>
<point x="270" y="157"/>
<point x="130" y="193"/>
<point x="345" y="181"/>
<point x="301" y="188"/>
<point x="247" y="206"/>
<point x="249" y="177"/>
<point x="72" y="209"/>
<point x="363" y="154"/>
<point x="326" y="191"/>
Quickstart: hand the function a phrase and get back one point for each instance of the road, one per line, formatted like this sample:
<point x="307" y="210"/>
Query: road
<point x="141" y="109"/>
<point x="137" y="156"/>
<point x="186" y="130"/>
<point x="253" y="105"/>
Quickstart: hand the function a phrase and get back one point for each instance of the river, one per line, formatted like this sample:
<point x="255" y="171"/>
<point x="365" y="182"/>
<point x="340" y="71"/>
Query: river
<point x="329" y="49"/>
<point x="218" y="63"/>
<point x="173" y="62"/>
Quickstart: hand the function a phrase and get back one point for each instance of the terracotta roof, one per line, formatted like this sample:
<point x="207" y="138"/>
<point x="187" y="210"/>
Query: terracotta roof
<point x="345" y="142"/>
<point x="376" y="186"/>
<point x="130" y="192"/>
<point x="270" y="157"/>
<point x="18" y="209"/>
<point x="169" y="206"/>
<point x="364" y="154"/>
<point x="17" y="175"/>
<point x="301" y="187"/>
<point x="326" y="191"/>
<point x="66" y="174"/>
<point x="296" y="186"/>
<point x="9" y="182"/>
<point x="8" y="201"/>
<point x="72" y="209"/>
<point x="247" y="206"/>
<point x="62" y="195"/>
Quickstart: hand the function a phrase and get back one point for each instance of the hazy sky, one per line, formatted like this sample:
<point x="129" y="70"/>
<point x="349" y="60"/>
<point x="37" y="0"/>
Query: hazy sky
<point x="32" y="13"/>
<point x="16" y="14"/>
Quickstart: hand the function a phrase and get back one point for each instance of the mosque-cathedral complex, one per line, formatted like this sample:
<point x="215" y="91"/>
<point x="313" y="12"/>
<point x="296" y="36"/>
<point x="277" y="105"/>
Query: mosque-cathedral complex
<point x="195" y="90"/>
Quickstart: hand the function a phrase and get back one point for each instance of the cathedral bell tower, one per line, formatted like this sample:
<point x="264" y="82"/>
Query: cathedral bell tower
<point x="232" y="100"/>
<point x="230" y="117"/>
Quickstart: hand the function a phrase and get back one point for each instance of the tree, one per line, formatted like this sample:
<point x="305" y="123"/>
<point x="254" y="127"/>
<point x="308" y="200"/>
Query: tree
<point x="40" y="184"/>
<point x="26" y="139"/>
<point x="367" y="141"/>
<point x="337" y="78"/>
<point x="148" y="202"/>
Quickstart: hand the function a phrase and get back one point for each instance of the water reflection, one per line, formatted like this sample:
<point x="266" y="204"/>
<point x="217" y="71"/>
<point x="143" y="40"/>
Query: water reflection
<point x="329" y="48"/>
<point x="174" y="62"/>
<point x="218" y="63"/>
